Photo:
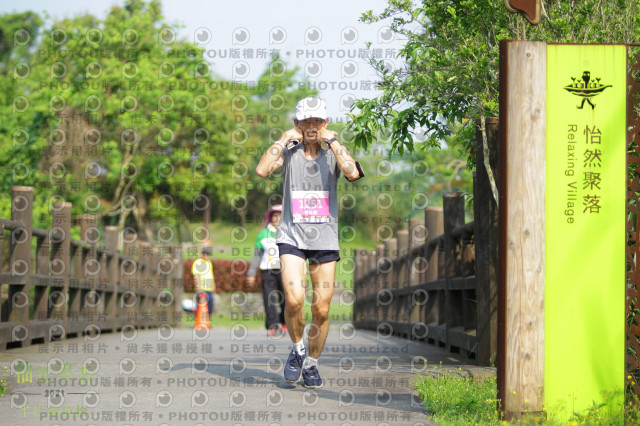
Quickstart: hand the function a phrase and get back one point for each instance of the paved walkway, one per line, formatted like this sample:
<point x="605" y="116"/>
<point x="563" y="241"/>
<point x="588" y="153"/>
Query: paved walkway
<point x="230" y="377"/>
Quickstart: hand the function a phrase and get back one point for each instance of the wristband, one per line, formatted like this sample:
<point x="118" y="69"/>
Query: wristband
<point x="279" y="143"/>
<point x="330" y="141"/>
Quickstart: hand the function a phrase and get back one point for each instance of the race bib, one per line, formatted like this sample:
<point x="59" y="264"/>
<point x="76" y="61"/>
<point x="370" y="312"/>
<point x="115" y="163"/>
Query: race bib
<point x="310" y="206"/>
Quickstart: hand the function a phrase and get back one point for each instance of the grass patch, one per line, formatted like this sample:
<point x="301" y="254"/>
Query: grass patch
<point x="451" y="399"/>
<point x="4" y="385"/>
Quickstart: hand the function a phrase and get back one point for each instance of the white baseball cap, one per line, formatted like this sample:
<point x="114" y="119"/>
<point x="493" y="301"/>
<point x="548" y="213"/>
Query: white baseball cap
<point x="311" y="108"/>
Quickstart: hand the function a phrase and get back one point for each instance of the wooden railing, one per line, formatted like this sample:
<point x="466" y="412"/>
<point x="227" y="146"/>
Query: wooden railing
<point x="422" y="290"/>
<point x="425" y="283"/>
<point x="62" y="287"/>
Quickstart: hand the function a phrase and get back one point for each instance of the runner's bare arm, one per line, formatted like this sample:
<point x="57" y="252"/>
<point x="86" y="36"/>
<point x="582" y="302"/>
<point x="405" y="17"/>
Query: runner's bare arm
<point x="271" y="160"/>
<point x="273" y="157"/>
<point x="346" y="163"/>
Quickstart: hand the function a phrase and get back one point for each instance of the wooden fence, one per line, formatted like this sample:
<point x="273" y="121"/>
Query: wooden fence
<point x="436" y="281"/>
<point x="422" y="290"/>
<point x="62" y="287"/>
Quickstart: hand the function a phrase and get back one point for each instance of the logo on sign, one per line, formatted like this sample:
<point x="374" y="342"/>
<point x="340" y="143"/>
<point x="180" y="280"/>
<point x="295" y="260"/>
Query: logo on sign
<point x="586" y="88"/>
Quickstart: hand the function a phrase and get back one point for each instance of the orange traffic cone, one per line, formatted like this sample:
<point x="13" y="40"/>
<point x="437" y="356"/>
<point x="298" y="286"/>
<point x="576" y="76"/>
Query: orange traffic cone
<point x="202" y="313"/>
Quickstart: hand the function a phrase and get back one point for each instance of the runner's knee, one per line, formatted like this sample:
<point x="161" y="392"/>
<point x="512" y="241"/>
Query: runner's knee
<point x="294" y="305"/>
<point x="320" y="310"/>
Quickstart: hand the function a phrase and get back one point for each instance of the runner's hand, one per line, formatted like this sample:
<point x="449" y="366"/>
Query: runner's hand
<point x="324" y="134"/>
<point x="294" y="134"/>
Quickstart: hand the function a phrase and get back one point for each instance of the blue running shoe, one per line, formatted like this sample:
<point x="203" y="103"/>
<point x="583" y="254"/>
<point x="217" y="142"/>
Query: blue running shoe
<point x="293" y="367"/>
<point x="311" y="377"/>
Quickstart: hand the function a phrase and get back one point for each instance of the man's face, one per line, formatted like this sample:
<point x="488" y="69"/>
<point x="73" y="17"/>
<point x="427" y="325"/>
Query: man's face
<point x="275" y="218"/>
<point x="310" y="127"/>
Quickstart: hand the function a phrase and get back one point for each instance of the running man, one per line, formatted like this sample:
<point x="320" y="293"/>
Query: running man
<point x="308" y="227"/>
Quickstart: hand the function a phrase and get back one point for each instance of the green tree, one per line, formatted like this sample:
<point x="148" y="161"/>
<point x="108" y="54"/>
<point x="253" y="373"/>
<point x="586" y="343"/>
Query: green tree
<point x="449" y="71"/>
<point x="17" y="39"/>
<point x="109" y="116"/>
<point x="126" y="121"/>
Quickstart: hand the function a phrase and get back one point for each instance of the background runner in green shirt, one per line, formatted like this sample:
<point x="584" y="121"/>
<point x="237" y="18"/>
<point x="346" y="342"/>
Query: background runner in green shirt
<point x="267" y="259"/>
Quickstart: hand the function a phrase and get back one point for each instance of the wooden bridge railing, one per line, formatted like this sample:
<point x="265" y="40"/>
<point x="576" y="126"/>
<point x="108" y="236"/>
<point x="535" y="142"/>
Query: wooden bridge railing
<point x="422" y="288"/>
<point x="62" y="287"/>
<point x="425" y="283"/>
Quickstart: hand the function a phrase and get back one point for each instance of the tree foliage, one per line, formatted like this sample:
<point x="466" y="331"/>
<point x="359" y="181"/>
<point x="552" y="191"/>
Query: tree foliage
<point x="449" y="69"/>
<point x="124" y="119"/>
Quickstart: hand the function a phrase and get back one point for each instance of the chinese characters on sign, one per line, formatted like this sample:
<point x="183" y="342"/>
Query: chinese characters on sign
<point x="589" y="188"/>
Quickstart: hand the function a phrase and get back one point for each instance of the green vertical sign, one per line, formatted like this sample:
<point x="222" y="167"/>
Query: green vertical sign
<point x="585" y="227"/>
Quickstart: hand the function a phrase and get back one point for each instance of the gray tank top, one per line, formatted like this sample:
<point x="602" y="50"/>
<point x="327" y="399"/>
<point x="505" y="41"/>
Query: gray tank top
<point x="310" y="204"/>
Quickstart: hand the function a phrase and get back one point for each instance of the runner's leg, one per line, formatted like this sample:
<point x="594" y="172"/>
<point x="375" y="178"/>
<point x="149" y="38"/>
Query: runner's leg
<point x="294" y="273"/>
<point x="322" y="278"/>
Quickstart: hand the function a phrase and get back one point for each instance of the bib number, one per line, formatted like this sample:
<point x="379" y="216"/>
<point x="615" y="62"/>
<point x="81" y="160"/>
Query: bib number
<point x="310" y="206"/>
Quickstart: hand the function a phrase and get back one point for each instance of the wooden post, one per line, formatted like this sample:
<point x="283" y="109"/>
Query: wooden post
<point x="434" y="220"/>
<point x="76" y="288"/>
<point x="391" y="281"/>
<point x="359" y="289"/>
<point x="136" y="314"/>
<point x="163" y="283"/>
<point x="60" y="262"/>
<point x="403" y="270"/>
<point x="403" y="249"/>
<point x="403" y="242"/>
<point x="453" y="208"/>
<point x="113" y="266"/>
<point x="90" y="268"/>
<point x="20" y="263"/>
<point x="357" y="270"/>
<point x="434" y="309"/>
<point x="359" y="313"/>
<point x="146" y="283"/>
<point x="379" y="279"/>
<point x="357" y="284"/>
<point x="522" y="226"/>
<point x="372" y="284"/>
<point x="130" y="279"/>
<point x="417" y="237"/>
<point x="366" y="265"/>
<point x="486" y="244"/>
<point x="391" y="254"/>
<point x="156" y="286"/>
<point x="129" y="243"/>
<point x="41" y="292"/>
<point x="177" y="286"/>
